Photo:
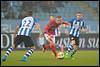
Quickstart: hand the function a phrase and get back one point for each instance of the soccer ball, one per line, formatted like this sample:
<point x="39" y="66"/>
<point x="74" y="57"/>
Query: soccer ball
<point x="60" y="55"/>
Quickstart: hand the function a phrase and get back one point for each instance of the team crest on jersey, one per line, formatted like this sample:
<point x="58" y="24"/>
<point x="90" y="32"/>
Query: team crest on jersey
<point x="76" y="25"/>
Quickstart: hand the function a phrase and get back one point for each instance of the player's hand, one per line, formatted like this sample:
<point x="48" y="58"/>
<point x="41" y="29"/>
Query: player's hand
<point x="84" y="30"/>
<point x="66" y="32"/>
<point x="87" y="30"/>
<point x="59" y="34"/>
<point x="14" y="35"/>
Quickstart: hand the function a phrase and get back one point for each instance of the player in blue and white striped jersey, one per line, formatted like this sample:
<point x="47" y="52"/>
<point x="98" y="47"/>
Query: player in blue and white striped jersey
<point x="26" y="26"/>
<point x="58" y="31"/>
<point x="23" y="35"/>
<point x="77" y="25"/>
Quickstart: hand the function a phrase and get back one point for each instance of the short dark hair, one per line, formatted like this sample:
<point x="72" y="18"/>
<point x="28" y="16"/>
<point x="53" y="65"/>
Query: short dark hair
<point x="79" y="13"/>
<point x="58" y="17"/>
<point x="29" y="13"/>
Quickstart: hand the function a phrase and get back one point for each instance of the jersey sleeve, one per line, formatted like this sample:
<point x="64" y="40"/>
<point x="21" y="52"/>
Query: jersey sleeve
<point x="83" y="25"/>
<point x="48" y="26"/>
<point x="35" y="21"/>
<point x="71" y="21"/>
<point x="65" y="23"/>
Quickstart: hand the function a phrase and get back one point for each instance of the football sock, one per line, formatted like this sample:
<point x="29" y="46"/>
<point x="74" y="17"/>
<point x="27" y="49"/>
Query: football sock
<point x="62" y="48"/>
<point x="70" y="49"/>
<point x="9" y="51"/>
<point x="29" y="52"/>
<point x="47" y="46"/>
<point x="74" y="51"/>
<point x="54" y="49"/>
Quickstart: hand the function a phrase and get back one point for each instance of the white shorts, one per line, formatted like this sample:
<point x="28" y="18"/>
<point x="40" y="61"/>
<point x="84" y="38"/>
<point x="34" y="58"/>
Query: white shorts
<point x="57" y="32"/>
<point x="48" y="36"/>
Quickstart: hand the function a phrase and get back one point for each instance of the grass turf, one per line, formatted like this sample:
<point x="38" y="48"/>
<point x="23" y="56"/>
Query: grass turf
<point x="38" y="58"/>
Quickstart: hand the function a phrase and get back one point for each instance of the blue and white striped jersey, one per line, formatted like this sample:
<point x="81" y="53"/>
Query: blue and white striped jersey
<point x="26" y="26"/>
<point x="57" y="31"/>
<point x="75" y="27"/>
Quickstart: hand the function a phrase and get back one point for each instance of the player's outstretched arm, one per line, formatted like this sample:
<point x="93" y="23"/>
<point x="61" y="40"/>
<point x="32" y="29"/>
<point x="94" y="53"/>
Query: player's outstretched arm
<point x="66" y="25"/>
<point x="38" y="27"/>
<point x="16" y="30"/>
<point x="84" y="30"/>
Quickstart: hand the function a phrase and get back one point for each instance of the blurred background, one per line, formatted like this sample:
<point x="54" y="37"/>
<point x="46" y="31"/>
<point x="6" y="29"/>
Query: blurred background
<point x="13" y="11"/>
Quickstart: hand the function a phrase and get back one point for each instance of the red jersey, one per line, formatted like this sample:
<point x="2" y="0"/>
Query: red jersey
<point x="51" y="26"/>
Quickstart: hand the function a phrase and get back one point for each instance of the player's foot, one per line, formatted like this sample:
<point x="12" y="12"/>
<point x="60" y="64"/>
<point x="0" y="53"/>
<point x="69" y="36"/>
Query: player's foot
<point x="56" y="56"/>
<point x="73" y="58"/>
<point x="24" y="59"/>
<point x="4" y="58"/>
<point x="44" y="48"/>
<point x="67" y="56"/>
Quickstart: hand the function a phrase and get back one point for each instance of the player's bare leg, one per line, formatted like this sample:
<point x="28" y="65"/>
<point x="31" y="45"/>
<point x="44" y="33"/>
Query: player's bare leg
<point x="72" y="48"/>
<point x="61" y="48"/>
<point x="50" y="45"/>
<point x="45" y="47"/>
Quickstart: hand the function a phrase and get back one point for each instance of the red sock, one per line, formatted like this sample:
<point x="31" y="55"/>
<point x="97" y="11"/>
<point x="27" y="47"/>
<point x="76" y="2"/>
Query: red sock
<point x="47" y="46"/>
<point x="54" y="49"/>
<point x="62" y="49"/>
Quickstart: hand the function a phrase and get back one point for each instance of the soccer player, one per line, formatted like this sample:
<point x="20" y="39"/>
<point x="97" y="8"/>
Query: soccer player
<point x="77" y="25"/>
<point x="49" y="33"/>
<point x="58" y="33"/>
<point x="23" y="35"/>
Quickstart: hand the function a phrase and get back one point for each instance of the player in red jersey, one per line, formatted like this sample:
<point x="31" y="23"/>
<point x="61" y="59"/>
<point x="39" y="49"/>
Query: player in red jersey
<point x="49" y="33"/>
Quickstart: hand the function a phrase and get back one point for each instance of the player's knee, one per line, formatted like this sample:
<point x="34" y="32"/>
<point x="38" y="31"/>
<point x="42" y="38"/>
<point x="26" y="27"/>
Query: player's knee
<point x="33" y="47"/>
<point x="14" y="46"/>
<point x="53" y="46"/>
<point x="73" y="42"/>
<point x="76" y="47"/>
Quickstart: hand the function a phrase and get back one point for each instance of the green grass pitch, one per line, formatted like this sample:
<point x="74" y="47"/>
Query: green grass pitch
<point x="38" y="58"/>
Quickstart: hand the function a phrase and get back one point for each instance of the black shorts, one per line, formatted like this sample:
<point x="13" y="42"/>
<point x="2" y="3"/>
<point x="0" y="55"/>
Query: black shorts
<point x="74" y="38"/>
<point x="26" y="39"/>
